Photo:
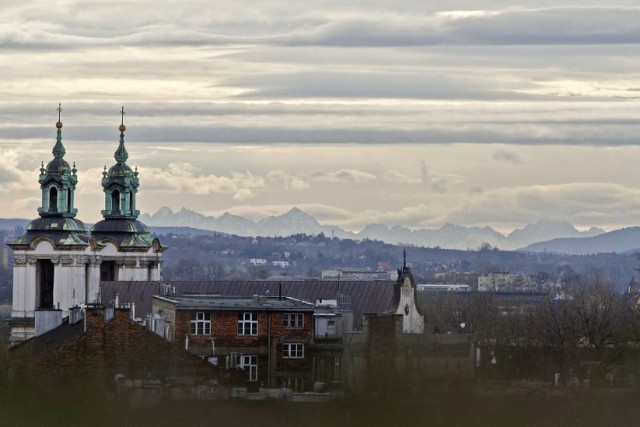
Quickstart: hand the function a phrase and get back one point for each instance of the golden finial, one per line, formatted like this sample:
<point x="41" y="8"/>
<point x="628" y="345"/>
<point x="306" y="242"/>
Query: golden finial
<point x="59" y="109"/>
<point x="122" y="126"/>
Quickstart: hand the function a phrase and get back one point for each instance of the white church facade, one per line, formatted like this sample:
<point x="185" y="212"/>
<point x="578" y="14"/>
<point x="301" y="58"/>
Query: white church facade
<point x="59" y="263"/>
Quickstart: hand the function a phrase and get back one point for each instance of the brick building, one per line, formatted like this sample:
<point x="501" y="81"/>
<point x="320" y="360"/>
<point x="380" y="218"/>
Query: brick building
<point x="263" y="339"/>
<point x="103" y="346"/>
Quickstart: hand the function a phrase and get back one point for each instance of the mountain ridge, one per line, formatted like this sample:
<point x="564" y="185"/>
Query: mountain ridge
<point x="296" y="221"/>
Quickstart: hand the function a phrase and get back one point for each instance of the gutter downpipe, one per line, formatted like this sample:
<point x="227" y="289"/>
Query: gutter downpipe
<point x="269" y="379"/>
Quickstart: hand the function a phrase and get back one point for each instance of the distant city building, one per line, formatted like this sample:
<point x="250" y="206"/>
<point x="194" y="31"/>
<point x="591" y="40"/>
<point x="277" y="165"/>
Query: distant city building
<point x="443" y="287"/>
<point x="281" y="264"/>
<point x="257" y="261"/>
<point x="356" y="274"/>
<point x="503" y="282"/>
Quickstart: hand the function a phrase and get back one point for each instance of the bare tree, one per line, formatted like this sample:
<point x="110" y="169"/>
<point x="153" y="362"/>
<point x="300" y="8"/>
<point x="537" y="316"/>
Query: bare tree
<point x="587" y="314"/>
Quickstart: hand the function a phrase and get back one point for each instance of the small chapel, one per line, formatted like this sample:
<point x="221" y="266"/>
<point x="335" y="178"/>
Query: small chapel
<point x="59" y="263"/>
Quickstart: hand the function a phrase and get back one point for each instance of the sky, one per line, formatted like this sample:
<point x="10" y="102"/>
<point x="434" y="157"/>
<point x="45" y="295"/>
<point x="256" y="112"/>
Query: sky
<point x="413" y="113"/>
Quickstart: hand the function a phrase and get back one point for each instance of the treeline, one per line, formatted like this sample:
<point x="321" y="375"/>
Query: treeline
<point x="211" y="257"/>
<point x="586" y="327"/>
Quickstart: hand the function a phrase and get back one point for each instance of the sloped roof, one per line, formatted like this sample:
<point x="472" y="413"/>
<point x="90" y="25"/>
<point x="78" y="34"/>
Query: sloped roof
<point x="375" y="296"/>
<point x="222" y="303"/>
<point x="52" y="339"/>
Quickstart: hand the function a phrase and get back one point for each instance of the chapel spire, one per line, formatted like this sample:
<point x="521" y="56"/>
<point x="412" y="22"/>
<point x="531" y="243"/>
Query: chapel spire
<point x="120" y="183"/>
<point x="121" y="154"/>
<point x="58" y="180"/>
<point x="58" y="149"/>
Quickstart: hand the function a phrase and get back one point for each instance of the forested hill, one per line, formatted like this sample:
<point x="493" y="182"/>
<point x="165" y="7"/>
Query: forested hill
<point x="199" y="257"/>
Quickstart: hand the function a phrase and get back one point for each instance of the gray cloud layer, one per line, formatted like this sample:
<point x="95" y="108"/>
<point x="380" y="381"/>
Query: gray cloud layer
<point x="413" y="113"/>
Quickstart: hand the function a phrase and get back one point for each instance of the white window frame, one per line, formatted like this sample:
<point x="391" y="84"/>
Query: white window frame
<point x="248" y="323"/>
<point x="201" y="323"/>
<point x="293" y="320"/>
<point x="249" y="363"/>
<point x="292" y="350"/>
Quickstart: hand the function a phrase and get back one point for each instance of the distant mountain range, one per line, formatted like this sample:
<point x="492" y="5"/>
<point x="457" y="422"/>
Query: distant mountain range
<point x="622" y="240"/>
<point x="549" y="236"/>
<point x="296" y="221"/>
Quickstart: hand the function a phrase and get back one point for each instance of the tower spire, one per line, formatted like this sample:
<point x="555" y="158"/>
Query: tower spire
<point x="121" y="154"/>
<point x="58" y="180"/>
<point x="58" y="149"/>
<point x="404" y="258"/>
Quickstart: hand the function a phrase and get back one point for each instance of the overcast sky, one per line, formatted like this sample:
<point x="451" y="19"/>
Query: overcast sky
<point x="412" y="113"/>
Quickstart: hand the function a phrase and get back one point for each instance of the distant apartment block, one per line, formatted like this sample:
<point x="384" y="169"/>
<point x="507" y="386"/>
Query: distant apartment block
<point x="281" y="264"/>
<point x="507" y="282"/>
<point x="355" y="274"/>
<point x="257" y="261"/>
<point x="443" y="287"/>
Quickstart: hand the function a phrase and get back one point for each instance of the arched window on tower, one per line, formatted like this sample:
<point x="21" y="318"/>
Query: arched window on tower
<point x="53" y="199"/>
<point x="69" y="200"/>
<point x="115" y="201"/>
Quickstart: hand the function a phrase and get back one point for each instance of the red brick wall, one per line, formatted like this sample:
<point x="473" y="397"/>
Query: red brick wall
<point x="224" y="328"/>
<point x="381" y="349"/>
<point x="121" y="347"/>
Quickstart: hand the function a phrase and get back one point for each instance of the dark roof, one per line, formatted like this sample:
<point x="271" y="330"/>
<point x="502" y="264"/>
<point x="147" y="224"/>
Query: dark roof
<point x="66" y="233"/>
<point x="375" y="296"/>
<point x="54" y="338"/>
<point x="222" y="303"/>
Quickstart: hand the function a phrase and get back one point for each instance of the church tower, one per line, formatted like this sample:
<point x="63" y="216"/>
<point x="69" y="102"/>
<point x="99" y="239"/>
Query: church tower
<point x="406" y="299"/>
<point x="124" y="248"/>
<point x="58" y="264"/>
<point x="49" y="264"/>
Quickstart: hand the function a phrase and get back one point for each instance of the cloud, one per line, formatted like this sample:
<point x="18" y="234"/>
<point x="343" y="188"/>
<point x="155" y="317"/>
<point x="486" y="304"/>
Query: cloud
<point x="504" y="155"/>
<point x="580" y="203"/>
<point x="343" y="176"/>
<point x="289" y="182"/>
<point x="369" y="84"/>
<point x="182" y="177"/>
<point x="12" y="176"/>
<point x="393" y="175"/>
<point x="109" y="25"/>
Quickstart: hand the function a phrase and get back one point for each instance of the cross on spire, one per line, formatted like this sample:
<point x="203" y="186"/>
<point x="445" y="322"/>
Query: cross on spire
<point x="122" y="113"/>
<point x="59" y="110"/>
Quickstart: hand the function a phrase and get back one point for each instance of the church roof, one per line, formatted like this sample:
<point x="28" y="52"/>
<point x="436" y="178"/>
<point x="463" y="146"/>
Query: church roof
<point x="58" y="239"/>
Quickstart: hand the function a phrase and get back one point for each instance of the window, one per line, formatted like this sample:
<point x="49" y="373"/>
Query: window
<point x="250" y="365"/>
<point x="292" y="351"/>
<point x="247" y="323"/>
<point x="115" y="201"/>
<point x="201" y="323"/>
<point x="53" y="199"/>
<point x="293" y="320"/>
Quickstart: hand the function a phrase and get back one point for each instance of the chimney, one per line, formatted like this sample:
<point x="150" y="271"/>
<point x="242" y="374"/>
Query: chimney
<point x="75" y="315"/>
<point x="47" y="320"/>
<point x="94" y="318"/>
